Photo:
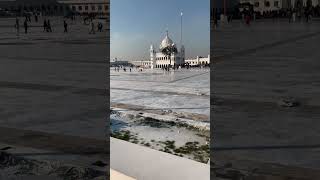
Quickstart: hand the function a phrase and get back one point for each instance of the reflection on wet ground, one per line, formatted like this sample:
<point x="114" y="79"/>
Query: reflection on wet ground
<point x="266" y="92"/>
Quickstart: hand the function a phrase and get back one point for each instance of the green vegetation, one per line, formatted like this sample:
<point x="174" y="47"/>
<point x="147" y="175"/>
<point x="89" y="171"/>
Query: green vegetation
<point x="126" y="136"/>
<point x="123" y="135"/>
<point x="199" y="153"/>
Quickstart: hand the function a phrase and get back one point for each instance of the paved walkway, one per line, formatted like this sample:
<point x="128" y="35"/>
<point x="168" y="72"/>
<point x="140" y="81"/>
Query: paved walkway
<point x="157" y="89"/>
<point x="257" y="68"/>
<point x="53" y="92"/>
<point x="52" y="88"/>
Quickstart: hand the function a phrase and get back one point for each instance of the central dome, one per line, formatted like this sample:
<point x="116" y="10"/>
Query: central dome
<point x="166" y="42"/>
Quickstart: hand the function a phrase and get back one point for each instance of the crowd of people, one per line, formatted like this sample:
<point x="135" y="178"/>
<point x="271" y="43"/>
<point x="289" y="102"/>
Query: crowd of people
<point x="124" y="68"/>
<point x="167" y="68"/>
<point x="292" y="14"/>
<point x="47" y="26"/>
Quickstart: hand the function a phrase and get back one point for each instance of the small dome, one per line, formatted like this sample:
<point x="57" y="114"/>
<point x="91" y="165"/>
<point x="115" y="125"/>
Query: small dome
<point x="166" y="42"/>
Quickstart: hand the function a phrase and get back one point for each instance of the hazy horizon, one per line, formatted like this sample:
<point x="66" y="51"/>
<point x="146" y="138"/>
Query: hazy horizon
<point x="135" y="25"/>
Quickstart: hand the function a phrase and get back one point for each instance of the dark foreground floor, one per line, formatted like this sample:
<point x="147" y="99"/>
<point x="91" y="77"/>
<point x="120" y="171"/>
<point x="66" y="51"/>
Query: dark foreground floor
<point x="53" y="93"/>
<point x="258" y="71"/>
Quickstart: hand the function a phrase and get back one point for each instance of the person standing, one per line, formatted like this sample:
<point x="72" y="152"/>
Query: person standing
<point x="215" y="21"/>
<point x="26" y="26"/>
<point x="36" y="17"/>
<point x="65" y="25"/>
<point x="17" y="26"/>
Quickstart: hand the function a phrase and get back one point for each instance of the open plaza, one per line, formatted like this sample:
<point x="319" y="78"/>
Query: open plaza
<point x="52" y="101"/>
<point x="167" y="111"/>
<point x="266" y="100"/>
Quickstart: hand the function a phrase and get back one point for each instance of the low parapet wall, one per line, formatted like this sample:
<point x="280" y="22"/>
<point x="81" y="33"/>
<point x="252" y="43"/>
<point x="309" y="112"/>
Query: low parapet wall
<point x="144" y="163"/>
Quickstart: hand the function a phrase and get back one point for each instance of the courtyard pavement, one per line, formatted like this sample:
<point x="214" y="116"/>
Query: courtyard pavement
<point x="178" y="91"/>
<point x="54" y="85"/>
<point x="256" y="69"/>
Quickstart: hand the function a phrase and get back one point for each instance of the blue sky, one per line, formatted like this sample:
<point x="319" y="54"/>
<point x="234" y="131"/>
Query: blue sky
<point x="136" y="24"/>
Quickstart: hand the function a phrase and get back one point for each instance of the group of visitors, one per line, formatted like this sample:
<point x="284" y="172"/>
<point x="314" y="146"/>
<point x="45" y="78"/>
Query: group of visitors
<point x="117" y="68"/>
<point x="92" y="27"/>
<point x="299" y="13"/>
<point x="47" y="26"/>
<point x="165" y="68"/>
<point x="25" y="25"/>
<point x="292" y="14"/>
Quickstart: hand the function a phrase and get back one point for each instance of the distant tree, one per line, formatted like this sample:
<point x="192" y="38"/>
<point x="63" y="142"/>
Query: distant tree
<point x="168" y="51"/>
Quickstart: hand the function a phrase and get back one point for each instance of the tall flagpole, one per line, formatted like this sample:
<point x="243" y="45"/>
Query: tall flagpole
<point x="181" y="30"/>
<point x="181" y="55"/>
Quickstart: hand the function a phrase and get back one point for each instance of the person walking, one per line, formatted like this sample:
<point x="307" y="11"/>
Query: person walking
<point x="248" y="19"/>
<point x="243" y="16"/>
<point x="100" y="26"/>
<point x="65" y="25"/>
<point x="92" y="28"/>
<point x="290" y="15"/>
<point x="215" y="21"/>
<point x="231" y="17"/>
<point x="308" y="14"/>
<point x="49" y="29"/>
<point x="36" y="17"/>
<point x="45" y="25"/>
<point x="17" y="26"/>
<point x="25" y="26"/>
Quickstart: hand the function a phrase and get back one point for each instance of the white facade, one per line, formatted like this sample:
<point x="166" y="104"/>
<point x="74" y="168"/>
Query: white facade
<point x="198" y="61"/>
<point x="88" y="6"/>
<point x="142" y="63"/>
<point x="116" y="62"/>
<point x="271" y="5"/>
<point x="160" y="60"/>
<point x="264" y="5"/>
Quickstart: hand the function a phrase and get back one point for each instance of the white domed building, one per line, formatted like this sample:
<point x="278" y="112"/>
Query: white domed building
<point x="161" y="60"/>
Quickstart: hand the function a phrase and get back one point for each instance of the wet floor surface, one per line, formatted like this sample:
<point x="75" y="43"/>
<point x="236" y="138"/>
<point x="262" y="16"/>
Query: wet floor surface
<point x="255" y="90"/>
<point x="159" y="89"/>
<point x="53" y="84"/>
